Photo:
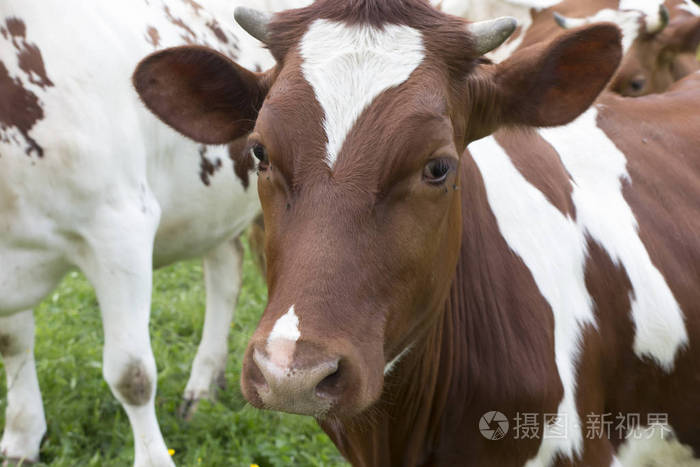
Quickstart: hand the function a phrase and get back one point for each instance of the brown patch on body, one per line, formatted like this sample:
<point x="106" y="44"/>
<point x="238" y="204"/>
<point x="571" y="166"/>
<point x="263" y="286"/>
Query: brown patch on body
<point x="135" y="385"/>
<point x="664" y="195"/>
<point x="539" y="163"/>
<point x="206" y="167"/>
<point x="152" y="36"/>
<point x="28" y="54"/>
<point x="243" y="163"/>
<point x="195" y="6"/>
<point x="189" y="37"/>
<point x="19" y="108"/>
<point x="218" y="32"/>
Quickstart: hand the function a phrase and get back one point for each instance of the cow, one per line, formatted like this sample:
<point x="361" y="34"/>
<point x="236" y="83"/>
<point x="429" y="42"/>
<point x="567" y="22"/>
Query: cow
<point x="660" y="38"/>
<point x="663" y="52"/>
<point x="89" y="179"/>
<point x="413" y="293"/>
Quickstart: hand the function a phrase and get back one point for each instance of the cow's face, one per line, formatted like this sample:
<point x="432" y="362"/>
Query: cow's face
<point x="359" y="139"/>
<point x="657" y="60"/>
<point x="657" y="52"/>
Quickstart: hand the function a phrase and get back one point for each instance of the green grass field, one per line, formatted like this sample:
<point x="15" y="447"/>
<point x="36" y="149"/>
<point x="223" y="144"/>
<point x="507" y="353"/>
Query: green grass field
<point x="86" y="425"/>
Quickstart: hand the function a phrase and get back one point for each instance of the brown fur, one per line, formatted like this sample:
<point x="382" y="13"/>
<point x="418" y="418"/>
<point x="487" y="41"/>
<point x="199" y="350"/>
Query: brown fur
<point x="539" y="163"/>
<point x="153" y="36"/>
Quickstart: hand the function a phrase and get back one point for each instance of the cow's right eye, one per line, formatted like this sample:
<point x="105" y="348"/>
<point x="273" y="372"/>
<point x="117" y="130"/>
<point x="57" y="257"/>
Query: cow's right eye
<point x="637" y="85"/>
<point x="258" y="151"/>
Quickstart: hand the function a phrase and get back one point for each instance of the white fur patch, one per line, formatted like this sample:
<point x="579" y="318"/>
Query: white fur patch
<point x="553" y="247"/>
<point x="598" y="168"/>
<point x="554" y="250"/>
<point x="286" y="327"/>
<point x="655" y="447"/>
<point x="349" y="66"/>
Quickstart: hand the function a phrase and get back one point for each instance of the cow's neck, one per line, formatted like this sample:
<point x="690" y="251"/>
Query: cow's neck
<point x="490" y="349"/>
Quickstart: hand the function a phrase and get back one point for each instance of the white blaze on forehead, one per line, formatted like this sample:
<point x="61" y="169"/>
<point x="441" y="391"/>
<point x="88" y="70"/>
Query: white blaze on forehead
<point x="286" y="327"/>
<point x="348" y="66"/>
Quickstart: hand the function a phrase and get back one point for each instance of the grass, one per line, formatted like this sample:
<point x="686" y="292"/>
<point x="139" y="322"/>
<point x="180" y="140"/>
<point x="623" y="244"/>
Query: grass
<point x="86" y="425"/>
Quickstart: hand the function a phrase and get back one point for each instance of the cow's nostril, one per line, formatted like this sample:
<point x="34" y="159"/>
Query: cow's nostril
<point x="256" y="376"/>
<point x="329" y="385"/>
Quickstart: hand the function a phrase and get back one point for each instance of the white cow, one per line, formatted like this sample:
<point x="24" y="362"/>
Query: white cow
<point x="90" y="179"/>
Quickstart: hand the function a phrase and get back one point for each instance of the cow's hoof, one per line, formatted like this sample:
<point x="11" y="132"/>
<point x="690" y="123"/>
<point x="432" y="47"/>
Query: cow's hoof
<point x="192" y="397"/>
<point x="188" y="408"/>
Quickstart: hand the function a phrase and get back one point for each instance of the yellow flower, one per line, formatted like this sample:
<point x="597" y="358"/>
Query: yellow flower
<point x="171" y="452"/>
<point x="254" y="465"/>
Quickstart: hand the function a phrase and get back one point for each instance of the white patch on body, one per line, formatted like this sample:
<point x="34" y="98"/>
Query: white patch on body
<point x="597" y="169"/>
<point x="553" y="246"/>
<point x="554" y="250"/>
<point x="349" y="66"/>
<point x="655" y="447"/>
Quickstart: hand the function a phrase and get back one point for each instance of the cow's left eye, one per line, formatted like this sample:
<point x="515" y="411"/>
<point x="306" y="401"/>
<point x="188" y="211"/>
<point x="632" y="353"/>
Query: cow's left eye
<point x="436" y="170"/>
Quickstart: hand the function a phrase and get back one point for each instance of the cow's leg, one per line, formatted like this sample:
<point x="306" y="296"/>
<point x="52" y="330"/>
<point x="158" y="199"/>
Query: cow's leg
<point x="25" y="424"/>
<point x="222" y="276"/>
<point x="118" y="262"/>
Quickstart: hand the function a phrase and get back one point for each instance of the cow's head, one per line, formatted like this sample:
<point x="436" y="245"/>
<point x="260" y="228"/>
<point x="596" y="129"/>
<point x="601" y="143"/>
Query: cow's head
<point x="359" y="130"/>
<point x="657" y="52"/>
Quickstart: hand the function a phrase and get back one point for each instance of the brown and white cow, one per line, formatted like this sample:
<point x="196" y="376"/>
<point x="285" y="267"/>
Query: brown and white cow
<point x="660" y="39"/>
<point x="662" y="44"/>
<point x="412" y="289"/>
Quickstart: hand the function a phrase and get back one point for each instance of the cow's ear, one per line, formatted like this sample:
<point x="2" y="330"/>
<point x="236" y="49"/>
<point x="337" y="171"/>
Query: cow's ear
<point x="553" y="83"/>
<point x="684" y="34"/>
<point x="200" y="93"/>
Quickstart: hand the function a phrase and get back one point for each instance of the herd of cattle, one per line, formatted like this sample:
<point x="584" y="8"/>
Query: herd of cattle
<point x="451" y="227"/>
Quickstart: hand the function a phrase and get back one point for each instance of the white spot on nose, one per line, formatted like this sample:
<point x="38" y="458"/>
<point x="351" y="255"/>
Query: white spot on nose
<point x="282" y="339"/>
<point x="286" y="327"/>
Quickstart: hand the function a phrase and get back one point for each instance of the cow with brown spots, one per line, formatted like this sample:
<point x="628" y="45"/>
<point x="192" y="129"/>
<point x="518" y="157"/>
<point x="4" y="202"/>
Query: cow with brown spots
<point x="89" y="179"/>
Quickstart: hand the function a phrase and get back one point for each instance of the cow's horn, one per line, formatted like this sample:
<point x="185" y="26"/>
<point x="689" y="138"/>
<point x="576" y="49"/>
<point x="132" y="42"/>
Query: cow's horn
<point x="254" y="22"/>
<point x="491" y="33"/>
<point x="657" y="24"/>
<point x="568" y="23"/>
